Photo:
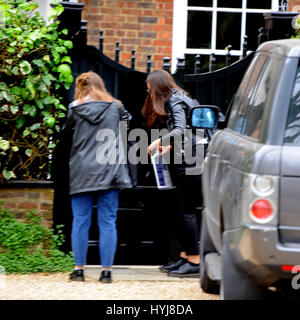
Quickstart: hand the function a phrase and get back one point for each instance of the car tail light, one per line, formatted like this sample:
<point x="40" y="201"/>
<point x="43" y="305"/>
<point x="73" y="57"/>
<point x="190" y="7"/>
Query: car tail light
<point x="262" y="211"/>
<point x="290" y="268"/>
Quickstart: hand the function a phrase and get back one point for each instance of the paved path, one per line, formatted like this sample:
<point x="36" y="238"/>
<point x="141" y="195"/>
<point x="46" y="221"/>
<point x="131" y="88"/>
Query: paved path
<point x="129" y="283"/>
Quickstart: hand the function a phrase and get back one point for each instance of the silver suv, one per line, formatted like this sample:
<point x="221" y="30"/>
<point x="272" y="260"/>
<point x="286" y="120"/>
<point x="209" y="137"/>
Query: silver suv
<point x="250" y="234"/>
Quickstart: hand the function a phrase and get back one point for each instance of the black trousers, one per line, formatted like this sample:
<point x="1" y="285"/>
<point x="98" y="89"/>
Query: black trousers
<point x="187" y="203"/>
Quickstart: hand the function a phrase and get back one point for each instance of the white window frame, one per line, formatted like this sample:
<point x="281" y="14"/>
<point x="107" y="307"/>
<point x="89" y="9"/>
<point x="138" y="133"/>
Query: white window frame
<point x="180" y="20"/>
<point x="44" y="7"/>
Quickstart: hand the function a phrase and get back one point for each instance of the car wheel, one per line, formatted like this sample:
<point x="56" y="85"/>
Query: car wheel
<point x="236" y="285"/>
<point x="206" y="246"/>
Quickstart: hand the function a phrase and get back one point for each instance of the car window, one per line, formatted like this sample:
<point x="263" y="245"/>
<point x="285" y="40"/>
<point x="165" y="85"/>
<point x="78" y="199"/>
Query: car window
<point x="259" y="97"/>
<point x="240" y="103"/>
<point x="292" y="130"/>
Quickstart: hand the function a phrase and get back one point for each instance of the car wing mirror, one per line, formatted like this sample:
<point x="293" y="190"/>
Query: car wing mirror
<point x="204" y="117"/>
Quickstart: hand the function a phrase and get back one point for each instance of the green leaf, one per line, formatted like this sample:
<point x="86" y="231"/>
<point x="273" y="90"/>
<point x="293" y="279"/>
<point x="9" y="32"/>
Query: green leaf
<point x="8" y="174"/>
<point x="20" y="122"/>
<point x="38" y="62"/>
<point x="15" y="149"/>
<point x="66" y="59"/>
<point x="31" y="110"/>
<point x="51" y="145"/>
<point x="14" y="109"/>
<point x="68" y="44"/>
<point x="56" y="57"/>
<point x="49" y="100"/>
<point x="4" y="144"/>
<point x="26" y="132"/>
<point x="50" y="121"/>
<point x="35" y="126"/>
<point x="39" y="103"/>
<point x="28" y="152"/>
<point x="25" y="67"/>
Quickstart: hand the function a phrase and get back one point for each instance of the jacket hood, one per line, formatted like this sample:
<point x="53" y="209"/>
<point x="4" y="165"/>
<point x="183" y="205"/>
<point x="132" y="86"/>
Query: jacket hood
<point x="92" y="111"/>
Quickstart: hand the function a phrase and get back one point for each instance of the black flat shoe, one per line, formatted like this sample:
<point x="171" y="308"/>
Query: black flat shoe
<point x="105" y="276"/>
<point x="173" y="266"/>
<point x="77" y="275"/>
<point x="186" y="270"/>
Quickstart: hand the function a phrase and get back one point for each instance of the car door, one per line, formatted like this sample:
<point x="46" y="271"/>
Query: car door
<point x="223" y="149"/>
<point x="289" y="214"/>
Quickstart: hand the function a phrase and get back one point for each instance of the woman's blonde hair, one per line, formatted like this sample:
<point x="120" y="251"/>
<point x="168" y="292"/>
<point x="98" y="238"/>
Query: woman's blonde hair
<point x="91" y="84"/>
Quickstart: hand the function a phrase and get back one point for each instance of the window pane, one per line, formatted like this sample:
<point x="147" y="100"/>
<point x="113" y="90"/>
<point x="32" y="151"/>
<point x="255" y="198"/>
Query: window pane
<point x="199" y="30"/>
<point x="230" y="3"/>
<point x="238" y="110"/>
<point x="253" y="23"/>
<point x="292" y="131"/>
<point x="200" y="3"/>
<point x="242" y="114"/>
<point x="228" y="30"/>
<point x="259" y="4"/>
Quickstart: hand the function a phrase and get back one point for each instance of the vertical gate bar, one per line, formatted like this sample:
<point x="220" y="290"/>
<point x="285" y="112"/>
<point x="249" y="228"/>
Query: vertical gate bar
<point x="197" y="64"/>
<point x="117" y="52"/>
<point x="166" y="65"/>
<point x="228" y="55"/>
<point x="101" y="41"/>
<point x="245" y="46"/>
<point x="132" y="59"/>
<point x="212" y="62"/>
<point x="148" y="70"/>
<point x="262" y="37"/>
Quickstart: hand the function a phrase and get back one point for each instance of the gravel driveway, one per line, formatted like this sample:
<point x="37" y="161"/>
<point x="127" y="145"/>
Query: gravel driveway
<point x="58" y="287"/>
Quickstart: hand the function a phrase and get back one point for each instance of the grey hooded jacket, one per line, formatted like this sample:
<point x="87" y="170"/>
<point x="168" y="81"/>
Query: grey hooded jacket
<point x="97" y="154"/>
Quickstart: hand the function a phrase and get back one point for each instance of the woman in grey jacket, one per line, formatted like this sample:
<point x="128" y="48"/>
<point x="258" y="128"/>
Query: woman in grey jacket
<point x="97" y="170"/>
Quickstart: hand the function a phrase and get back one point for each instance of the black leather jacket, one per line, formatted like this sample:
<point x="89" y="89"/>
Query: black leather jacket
<point x="178" y="107"/>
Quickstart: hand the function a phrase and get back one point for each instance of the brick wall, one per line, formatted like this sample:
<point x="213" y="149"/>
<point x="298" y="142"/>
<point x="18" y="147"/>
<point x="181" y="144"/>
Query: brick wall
<point x="141" y="25"/>
<point x="21" y="201"/>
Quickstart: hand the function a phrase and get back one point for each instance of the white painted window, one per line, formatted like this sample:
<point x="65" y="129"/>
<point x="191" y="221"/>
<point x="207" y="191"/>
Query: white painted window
<point x="209" y="26"/>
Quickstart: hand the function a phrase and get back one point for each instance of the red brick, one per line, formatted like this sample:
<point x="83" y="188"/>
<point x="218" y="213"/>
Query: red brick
<point x="28" y="205"/>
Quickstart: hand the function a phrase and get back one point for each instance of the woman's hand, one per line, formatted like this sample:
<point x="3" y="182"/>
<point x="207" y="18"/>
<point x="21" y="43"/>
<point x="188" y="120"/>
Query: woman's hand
<point x="156" y="144"/>
<point x="165" y="149"/>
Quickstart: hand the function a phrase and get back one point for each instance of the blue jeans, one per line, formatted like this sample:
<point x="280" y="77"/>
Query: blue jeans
<point x="82" y="208"/>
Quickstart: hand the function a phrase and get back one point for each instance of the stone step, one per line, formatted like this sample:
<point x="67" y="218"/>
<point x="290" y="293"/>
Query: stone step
<point x="142" y="273"/>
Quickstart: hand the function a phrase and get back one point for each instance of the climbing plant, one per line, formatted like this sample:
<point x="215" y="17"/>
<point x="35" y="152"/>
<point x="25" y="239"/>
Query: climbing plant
<point x="34" y="74"/>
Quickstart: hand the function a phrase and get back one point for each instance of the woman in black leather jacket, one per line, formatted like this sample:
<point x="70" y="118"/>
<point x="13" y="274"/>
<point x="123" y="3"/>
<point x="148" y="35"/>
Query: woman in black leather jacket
<point x="167" y="105"/>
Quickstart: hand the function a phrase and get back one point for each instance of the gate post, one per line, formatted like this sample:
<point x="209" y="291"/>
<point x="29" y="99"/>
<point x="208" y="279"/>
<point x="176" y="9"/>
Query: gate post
<point x="166" y="65"/>
<point x="70" y="19"/>
<point x="179" y="74"/>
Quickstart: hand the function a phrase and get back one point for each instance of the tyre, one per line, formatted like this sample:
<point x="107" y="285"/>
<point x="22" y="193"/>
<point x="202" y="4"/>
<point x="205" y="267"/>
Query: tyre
<point x="236" y="285"/>
<point x="206" y="246"/>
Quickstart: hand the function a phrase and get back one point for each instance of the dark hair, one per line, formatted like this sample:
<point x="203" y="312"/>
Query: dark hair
<point x="90" y="83"/>
<point x="161" y="85"/>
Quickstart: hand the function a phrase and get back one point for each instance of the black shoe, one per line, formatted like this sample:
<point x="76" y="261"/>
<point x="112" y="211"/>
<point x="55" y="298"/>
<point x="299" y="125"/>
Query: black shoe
<point x="77" y="275"/>
<point x="105" y="276"/>
<point x="186" y="270"/>
<point x="173" y="266"/>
